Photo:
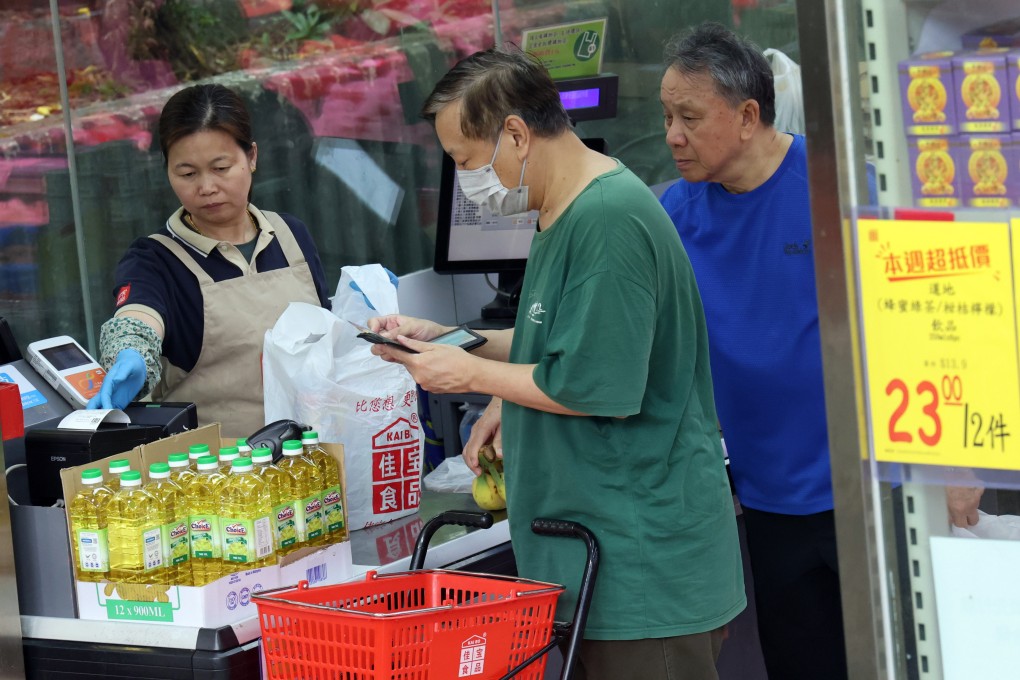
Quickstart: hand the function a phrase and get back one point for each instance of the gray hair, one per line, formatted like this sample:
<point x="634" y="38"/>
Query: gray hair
<point x="492" y="85"/>
<point x="736" y="65"/>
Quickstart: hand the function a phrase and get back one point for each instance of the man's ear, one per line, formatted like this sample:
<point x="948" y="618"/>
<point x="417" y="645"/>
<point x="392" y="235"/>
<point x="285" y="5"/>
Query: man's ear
<point x="516" y="129"/>
<point x="750" y="116"/>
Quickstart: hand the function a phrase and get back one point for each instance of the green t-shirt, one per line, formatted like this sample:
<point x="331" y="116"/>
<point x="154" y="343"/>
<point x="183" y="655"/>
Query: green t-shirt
<point x="611" y="315"/>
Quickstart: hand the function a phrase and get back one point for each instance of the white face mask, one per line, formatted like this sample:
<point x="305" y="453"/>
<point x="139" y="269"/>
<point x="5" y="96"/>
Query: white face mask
<point x="482" y="186"/>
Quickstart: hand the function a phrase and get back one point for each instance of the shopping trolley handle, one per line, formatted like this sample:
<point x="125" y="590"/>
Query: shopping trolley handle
<point x="464" y="518"/>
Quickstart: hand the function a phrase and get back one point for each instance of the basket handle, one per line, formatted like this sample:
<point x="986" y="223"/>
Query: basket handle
<point x="575" y="629"/>
<point x="465" y="518"/>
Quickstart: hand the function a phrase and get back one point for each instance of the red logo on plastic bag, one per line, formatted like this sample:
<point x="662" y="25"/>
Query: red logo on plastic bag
<point x="396" y="467"/>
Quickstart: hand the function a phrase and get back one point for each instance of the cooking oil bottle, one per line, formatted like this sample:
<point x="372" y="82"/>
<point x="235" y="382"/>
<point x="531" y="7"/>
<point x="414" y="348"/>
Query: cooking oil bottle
<point x="281" y="496"/>
<point x="245" y="519"/>
<point x="175" y="525"/>
<point x="117" y="468"/>
<point x="243" y="448"/>
<point x="307" y="489"/>
<point x="196" y="451"/>
<point x="135" y="528"/>
<point x="180" y="472"/>
<point x="227" y="456"/>
<point x="204" y="514"/>
<point x="88" y="527"/>
<point x="332" y="493"/>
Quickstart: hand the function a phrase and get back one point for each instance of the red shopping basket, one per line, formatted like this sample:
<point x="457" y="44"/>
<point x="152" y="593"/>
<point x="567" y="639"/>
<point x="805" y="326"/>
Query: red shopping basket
<point x="418" y="625"/>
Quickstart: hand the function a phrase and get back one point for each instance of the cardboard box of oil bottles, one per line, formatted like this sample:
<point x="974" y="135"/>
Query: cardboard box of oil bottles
<point x="222" y="602"/>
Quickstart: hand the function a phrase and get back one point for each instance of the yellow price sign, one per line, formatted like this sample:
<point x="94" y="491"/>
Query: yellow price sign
<point x="940" y="342"/>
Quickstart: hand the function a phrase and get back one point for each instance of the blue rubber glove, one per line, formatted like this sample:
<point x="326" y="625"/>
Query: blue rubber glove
<point x="122" y="382"/>
<point x="357" y="289"/>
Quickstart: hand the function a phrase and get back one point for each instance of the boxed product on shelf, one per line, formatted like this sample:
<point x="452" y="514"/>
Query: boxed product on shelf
<point x="222" y="602"/>
<point x="1013" y="86"/>
<point x="926" y="89"/>
<point x="982" y="102"/>
<point x="1005" y="33"/>
<point x="989" y="176"/>
<point x="934" y="171"/>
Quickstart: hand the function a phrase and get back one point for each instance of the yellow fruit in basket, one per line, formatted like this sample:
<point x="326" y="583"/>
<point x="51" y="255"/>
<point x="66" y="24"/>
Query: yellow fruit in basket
<point x="486" y="493"/>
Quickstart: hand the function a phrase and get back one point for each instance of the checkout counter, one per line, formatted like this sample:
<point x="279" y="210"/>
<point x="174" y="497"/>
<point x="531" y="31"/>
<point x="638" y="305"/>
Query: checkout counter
<point x="80" y="649"/>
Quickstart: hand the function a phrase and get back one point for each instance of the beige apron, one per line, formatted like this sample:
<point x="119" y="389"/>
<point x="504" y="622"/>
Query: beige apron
<point x="226" y="382"/>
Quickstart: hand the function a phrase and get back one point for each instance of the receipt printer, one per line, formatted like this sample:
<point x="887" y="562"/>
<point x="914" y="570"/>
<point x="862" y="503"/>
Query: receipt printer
<point x="49" y="450"/>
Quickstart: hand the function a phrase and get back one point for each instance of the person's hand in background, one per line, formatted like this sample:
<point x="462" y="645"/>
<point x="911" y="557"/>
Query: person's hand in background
<point x="122" y="382"/>
<point x="962" y="502"/>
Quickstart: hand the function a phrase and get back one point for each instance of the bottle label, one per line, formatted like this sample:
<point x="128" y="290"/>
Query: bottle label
<point x="93" y="550"/>
<point x="264" y="534"/>
<point x="238" y="539"/>
<point x="152" y="542"/>
<point x="176" y="543"/>
<point x="246" y="540"/>
<point x="205" y="537"/>
<point x="333" y="509"/>
<point x="286" y="525"/>
<point x="313" y="516"/>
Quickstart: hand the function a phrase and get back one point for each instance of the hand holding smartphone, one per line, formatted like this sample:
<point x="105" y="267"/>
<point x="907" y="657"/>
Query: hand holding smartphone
<point x="462" y="337"/>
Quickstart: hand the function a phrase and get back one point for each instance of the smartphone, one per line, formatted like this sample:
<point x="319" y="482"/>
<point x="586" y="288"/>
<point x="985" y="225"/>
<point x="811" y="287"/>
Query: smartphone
<point x="462" y="337"/>
<point x="65" y="365"/>
<point x="377" y="339"/>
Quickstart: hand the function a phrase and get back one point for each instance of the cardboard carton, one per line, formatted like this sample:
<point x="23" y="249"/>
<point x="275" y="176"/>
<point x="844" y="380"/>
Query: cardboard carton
<point x="934" y="171"/>
<point x="989" y="176"/>
<point x="224" y="601"/>
<point x="981" y="92"/>
<point x="926" y="89"/>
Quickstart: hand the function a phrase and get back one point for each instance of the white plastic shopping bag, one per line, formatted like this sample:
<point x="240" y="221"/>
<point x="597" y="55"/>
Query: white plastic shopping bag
<point x="789" y="92"/>
<point x="1001" y="527"/>
<point x="318" y="372"/>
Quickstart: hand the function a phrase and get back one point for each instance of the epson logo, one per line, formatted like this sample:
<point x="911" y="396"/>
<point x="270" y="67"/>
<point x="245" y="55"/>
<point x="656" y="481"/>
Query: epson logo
<point x="58" y="459"/>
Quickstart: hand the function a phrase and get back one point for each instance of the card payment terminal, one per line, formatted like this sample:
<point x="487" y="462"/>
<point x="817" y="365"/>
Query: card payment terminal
<point x="65" y="365"/>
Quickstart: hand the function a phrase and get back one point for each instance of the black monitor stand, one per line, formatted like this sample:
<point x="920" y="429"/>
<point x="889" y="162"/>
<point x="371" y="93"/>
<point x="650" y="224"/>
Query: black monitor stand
<point x="501" y="312"/>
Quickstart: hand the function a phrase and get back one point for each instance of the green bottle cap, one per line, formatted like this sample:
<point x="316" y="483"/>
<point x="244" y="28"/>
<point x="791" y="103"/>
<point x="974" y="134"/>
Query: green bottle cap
<point x="208" y="463"/>
<point x="159" y="468"/>
<point x="310" y="434"/>
<point x="292" y="447"/>
<point x="181" y="458"/>
<point x="241" y="442"/>
<point x="91" y="475"/>
<point x="198" y="450"/>
<point x="262" y="454"/>
<point x="131" y="478"/>
<point x="120" y="465"/>
<point x="241" y="464"/>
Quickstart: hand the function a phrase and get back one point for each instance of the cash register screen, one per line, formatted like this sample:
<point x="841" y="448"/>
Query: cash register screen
<point x="63" y="357"/>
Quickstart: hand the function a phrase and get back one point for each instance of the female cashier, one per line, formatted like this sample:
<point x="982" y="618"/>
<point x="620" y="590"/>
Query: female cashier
<point x="194" y="301"/>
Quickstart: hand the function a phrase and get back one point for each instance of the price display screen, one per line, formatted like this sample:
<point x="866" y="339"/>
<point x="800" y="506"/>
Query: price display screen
<point x="937" y="304"/>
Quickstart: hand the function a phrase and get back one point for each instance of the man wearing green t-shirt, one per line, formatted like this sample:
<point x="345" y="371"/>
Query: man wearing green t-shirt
<point x="607" y="409"/>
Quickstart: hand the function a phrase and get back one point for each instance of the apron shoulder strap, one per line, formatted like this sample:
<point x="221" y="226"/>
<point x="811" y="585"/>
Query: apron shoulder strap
<point x="185" y="258"/>
<point x="291" y="249"/>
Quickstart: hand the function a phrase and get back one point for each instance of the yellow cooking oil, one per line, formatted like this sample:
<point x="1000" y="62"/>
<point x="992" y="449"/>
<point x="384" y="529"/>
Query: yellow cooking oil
<point x="87" y="511"/>
<point x="332" y="493"/>
<point x="175" y="525"/>
<point x="203" y="496"/>
<point x="135" y="531"/>
<point x="281" y="496"/>
<point x="180" y="470"/>
<point x="307" y="489"/>
<point x="245" y="509"/>
<point x="227" y="456"/>
<point x="117" y="468"/>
